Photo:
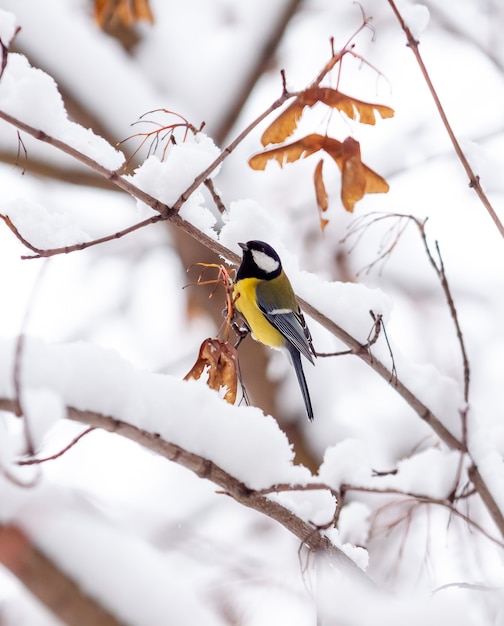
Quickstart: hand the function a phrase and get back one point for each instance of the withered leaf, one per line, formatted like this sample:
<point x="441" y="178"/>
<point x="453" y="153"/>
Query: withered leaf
<point x="221" y="361"/>
<point x="289" y="153"/>
<point x="356" y="178"/>
<point x="286" y="123"/>
<point x="299" y="149"/>
<point x="353" y="108"/>
<point x="323" y="223"/>
<point x="125" y="12"/>
<point x="321" y="193"/>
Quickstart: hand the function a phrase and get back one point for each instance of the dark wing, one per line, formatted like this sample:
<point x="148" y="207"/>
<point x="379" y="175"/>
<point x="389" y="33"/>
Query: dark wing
<point x="288" y="320"/>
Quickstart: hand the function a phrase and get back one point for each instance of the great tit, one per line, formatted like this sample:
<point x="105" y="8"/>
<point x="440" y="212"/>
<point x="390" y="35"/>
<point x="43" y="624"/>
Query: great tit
<point x="265" y="298"/>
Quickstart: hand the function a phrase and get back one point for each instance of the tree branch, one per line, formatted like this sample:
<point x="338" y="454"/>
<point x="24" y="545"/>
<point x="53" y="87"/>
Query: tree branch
<point x="474" y="180"/>
<point x="45" y="581"/>
<point x="423" y="499"/>
<point x="308" y="535"/>
<point x="359" y="350"/>
<point x="171" y="214"/>
<point x="487" y="497"/>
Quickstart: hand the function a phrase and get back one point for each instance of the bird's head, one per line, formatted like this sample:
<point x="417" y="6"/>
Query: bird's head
<point x="259" y="261"/>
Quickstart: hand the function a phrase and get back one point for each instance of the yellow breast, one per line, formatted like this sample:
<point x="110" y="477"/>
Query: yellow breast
<point x="245" y="303"/>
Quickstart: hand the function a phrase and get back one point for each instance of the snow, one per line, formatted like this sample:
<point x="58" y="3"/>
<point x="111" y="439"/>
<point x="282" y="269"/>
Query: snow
<point x="354" y="523"/>
<point x="486" y="443"/>
<point x="93" y="379"/>
<point x="416" y="17"/>
<point x="440" y="393"/>
<point x="167" y="179"/>
<point x="31" y="96"/>
<point x="42" y="408"/>
<point x="7" y="449"/>
<point x="317" y="506"/>
<point x="109" y="70"/>
<point x="346" y="462"/>
<point x="7" y="27"/>
<point x="340" y="601"/>
<point x="141" y="567"/>
<point x="430" y="473"/>
<point x="42" y="227"/>
<point x="247" y="220"/>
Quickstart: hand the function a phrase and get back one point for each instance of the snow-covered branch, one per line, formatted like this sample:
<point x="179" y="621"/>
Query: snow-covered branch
<point x="171" y="214"/>
<point x="308" y="534"/>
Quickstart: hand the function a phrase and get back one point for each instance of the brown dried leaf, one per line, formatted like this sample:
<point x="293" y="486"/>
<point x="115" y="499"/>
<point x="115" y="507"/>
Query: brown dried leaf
<point x="284" y="125"/>
<point x="374" y="182"/>
<point x="221" y="360"/>
<point x="356" y="178"/>
<point x="323" y="223"/>
<point x="320" y="190"/>
<point x="353" y="178"/>
<point x="126" y="12"/>
<point x="353" y="108"/>
<point x="333" y="147"/>
<point x="289" y="153"/>
<point x="321" y="193"/>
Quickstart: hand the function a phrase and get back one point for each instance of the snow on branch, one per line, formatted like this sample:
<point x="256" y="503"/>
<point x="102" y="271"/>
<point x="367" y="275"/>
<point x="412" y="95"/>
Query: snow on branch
<point x="20" y="81"/>
<point x="183" y="421"/>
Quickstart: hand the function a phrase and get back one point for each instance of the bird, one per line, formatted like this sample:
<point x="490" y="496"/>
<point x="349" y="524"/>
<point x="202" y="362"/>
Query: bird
<point x="265" y="299"/>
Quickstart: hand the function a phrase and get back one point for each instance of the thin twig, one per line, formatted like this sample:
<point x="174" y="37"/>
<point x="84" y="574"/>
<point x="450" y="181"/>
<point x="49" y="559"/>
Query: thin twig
<point x="422" y="411"/>
<point x="24" y="484"/>
<point x="474" y="180"/>
<point x="57" y="455"/>
<point x="215" y="196"/>
<point x="48" y="252"/>
<point x="440" y="271"/>
<point x="423" y="499"/>
<point x="441" y="274"/>
<point x="487" y="497"/>
<point x="166" y="212"/>
<point x="454" y="314"/>
<point x="18" y="362"/>
<point x="359" y="227"/>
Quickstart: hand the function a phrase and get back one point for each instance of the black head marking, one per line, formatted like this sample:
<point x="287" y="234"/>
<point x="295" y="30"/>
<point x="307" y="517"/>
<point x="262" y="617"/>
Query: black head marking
<point x="259" y="261"/>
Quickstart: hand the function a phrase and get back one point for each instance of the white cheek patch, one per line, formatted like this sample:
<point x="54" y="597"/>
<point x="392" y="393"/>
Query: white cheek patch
<point x="264" y="262"/>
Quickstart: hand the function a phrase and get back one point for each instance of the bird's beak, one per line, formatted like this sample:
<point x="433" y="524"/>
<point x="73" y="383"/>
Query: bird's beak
<point x="243" y="246"/>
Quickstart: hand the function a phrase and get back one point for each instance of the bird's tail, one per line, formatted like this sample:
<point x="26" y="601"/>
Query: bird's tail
<point x="298" y="367"/>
